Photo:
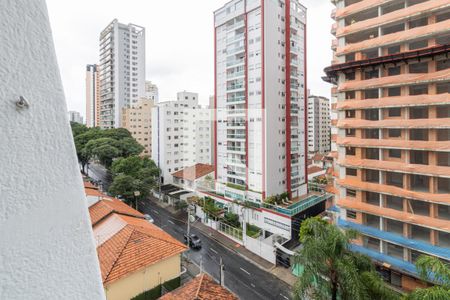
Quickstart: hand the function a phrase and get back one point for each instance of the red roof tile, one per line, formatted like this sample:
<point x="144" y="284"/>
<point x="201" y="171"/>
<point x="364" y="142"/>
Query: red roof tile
<point x="135" y="245"/>
<point x="107" y="206"/>
<point x="202" y="287"/>
<point x="314" y="169"/>
<point x="318" y="157"/>
<point x="194" y="172"/>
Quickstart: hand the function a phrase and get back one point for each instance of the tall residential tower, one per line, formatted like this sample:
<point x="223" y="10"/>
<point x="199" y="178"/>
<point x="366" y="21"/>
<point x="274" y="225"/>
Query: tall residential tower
<point x="260" y="94"/>
<point x="92" y="96"/>
<point x="391" y="69"/>
<point x="319" y="133"/>
<point x="122" y="70"/>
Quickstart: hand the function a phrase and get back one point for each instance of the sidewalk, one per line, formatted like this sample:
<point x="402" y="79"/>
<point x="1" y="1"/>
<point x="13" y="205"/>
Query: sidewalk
<point x="280" y="272"/>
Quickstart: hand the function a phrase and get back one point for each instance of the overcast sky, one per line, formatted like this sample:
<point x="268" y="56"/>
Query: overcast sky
<point x="179" y="41"/>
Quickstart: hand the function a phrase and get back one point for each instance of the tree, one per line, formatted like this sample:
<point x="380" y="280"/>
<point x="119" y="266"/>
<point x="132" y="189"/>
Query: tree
<point x="104" y="149"/>
<point x="123" y="185"/>
<point x="130" y="147"/>
<point x="78" y="128"/>
<point x="331" y="270"/>
<point x="432" y="269"/>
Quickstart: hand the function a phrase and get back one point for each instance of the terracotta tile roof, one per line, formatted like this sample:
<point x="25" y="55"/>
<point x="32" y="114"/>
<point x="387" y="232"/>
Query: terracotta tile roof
<point x="202" y="287"/>
<point x="314" y="169"/>
<point x="318" y="157"/>
<point x="133" y="244"/>
<point x="194" y="172"/>
<point x="89" y="185"/>
<point x="107" y="206"/>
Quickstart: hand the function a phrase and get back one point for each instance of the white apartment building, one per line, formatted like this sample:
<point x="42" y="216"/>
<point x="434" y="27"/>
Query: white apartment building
<point x="151" y="91"/>
<point x="181" y="134"/>
<point x="319" y="125"/>
<point x="75" y="116"/>
<point x="122" y="70"/>
<point x="260" y="94"/>
<point x="92" y="96"/>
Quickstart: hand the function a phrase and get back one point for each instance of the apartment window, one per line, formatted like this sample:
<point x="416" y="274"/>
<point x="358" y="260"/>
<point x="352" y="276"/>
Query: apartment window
<point x="372" y="221"/>
<point x="351" y="214"/>
<point x="371" y="74"/>
<point x="394" y="92"/>
<point x="372" y="198"/>
<point x="350" y="76"/>
<point x="443" y="111"/>
<point x="350" y="193"/>
<point x="443" y="134"/>
<point x="350" y="95"/>
<point x="418" y="157"/>
<point x="420" y="183"/>
<point x="418" y="22"/>
<point x="350" y="57"/>
<point x="350" y="114"/>
<point x="371" y="94"/>
<point x="394" y="71"/>
<point x="418" y="45"/>
<point x="394" y="250"/>
<point x="419" y="89"/>
<point x="418" y="68"/>
<point x="395" y="112"/>
<point x="351" y="172"/>
<point x="372" y="176"/>
<point x="371" y="133"/>
<point x="395" y="133"/>
<point x="418" y="207"/>
<point x="420" y="233"/>
<point x="350" y="151"/>
<point x="444" y="212"/>
<point x="371" y="114"/>
<point x="442" y="88"/>
<point x="394" y="202"/>
<point x="443" y="185"/>
<point x="442" y="64"/>
<point x="444" y="239"/>
<point x="394" y="226"/>
<point x="393" y="49"/>
<point x="350" y="132"/>
<point x="394" y="179"/>
<point x="395" y="153"/>
<point x="372" y="153"/>
<point x="443" y="159"/>
<point x="418" y="134"/>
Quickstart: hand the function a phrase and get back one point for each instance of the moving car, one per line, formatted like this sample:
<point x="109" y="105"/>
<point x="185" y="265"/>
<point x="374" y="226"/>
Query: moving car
<point x="194" y="241"/>
<point x="149" y="218"/>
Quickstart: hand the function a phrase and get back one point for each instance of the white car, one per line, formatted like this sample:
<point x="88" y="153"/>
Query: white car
<point x="149" y="218"/>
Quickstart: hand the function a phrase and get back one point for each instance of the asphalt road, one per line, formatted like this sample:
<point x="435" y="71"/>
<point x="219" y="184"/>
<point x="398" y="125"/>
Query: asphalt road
<point x="98" y="172"/>
<point x="245" y="279"/>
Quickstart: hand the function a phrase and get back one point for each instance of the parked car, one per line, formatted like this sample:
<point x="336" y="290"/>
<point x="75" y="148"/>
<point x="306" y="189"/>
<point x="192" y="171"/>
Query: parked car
<point x="149" y="218"/>
<point x="194" y="241"/>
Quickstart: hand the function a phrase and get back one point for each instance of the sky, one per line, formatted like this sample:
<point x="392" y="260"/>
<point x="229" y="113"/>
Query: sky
<point x="179" y="42"/>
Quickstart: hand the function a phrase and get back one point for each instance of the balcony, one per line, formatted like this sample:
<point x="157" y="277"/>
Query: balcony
<point x="236" y="149"/>
<point x="235" y="38"/>
<point x="236" y="136"/>
<point x="236" y="99"/>
<point x="334" y="28"/>
<point x="235" y="62"/>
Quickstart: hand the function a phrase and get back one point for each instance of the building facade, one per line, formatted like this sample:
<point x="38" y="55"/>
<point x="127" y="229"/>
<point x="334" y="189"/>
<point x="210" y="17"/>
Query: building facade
<point x="76" y="117"/>
<point x="122" y="70"/>
<point x="180" y="134"/>
<point x="138" y="121"/>
<point x="260" y="97"/>
<point x="151" y="91"/>
<point x="92" y="96"/>
<point x="392" y="134"/>
<point x="319" y="133"/>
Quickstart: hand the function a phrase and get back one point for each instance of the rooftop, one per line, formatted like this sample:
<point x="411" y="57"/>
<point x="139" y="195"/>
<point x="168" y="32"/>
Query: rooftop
<point x="106" y="206"/>
<point x="202" y="287"/>
<point x="194" y="172"/>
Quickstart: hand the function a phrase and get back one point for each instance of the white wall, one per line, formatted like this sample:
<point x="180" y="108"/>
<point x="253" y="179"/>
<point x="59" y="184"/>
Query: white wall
<point x="46" y="248"/>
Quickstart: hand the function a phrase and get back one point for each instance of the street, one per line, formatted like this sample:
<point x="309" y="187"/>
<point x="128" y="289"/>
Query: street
<point x="242" y="277"/>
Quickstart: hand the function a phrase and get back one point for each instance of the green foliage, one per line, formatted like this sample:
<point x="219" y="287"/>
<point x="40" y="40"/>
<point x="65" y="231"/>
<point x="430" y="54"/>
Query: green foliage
<point x="277" y="199"/>
<point x="232" y="219"/>
<point x="253" y="231"/>
<point x="236" y="186"/>
<point x="172" y="284"/>
<point x="78" y="128"/>
<point x="181" y="205"/>
<point x="152" y="294"/>
<point x="210" y="207"/>
<point x="331" y="270"/>
<point x="432" y="269"/>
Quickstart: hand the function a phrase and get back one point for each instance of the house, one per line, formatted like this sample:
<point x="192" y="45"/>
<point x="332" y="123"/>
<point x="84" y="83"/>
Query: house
<point x="135" y="256"/>
<point x="197" y="176"/>
<point x="203" y="287"/>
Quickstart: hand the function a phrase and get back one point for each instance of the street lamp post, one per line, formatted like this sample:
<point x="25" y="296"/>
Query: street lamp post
<point x="136" y="194"/>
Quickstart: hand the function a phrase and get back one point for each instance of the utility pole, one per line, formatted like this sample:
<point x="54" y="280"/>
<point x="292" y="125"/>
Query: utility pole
<point x="222" y="274"/>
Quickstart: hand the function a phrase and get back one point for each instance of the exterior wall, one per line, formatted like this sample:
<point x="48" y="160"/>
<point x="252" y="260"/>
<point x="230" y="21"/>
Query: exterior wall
<point x="144" y="280"/>
<point x="75" y="116"/>
<point x="318" y="125"/>
<point x="138" y="120"/>
<point x="47" y="249"/>
<point x="151" y="91"/>
<point x="92" y="96"/>
<point x="390" y="182"/>
<point x="255" y="137"/>
<point x="180" y="134"/>
<point x="122" y="70"/>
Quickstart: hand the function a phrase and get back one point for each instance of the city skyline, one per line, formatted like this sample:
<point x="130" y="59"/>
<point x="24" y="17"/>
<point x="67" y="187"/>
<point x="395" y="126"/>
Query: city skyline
<point x="175" y="70"/>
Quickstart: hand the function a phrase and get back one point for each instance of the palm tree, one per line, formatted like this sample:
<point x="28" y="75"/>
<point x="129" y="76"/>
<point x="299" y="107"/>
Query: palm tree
<point x="331" y="270"/>
<point x="432" y="269"/>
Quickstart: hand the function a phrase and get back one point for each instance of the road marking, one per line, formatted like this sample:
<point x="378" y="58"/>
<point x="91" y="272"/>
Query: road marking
<point x="284" y="296"/>
<point x="156" y="212"/>
<point x="245" y="271"/>
<point x="253" y="286"/>
<point x="171" y="222"/>
<point x="213" y="250"/>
